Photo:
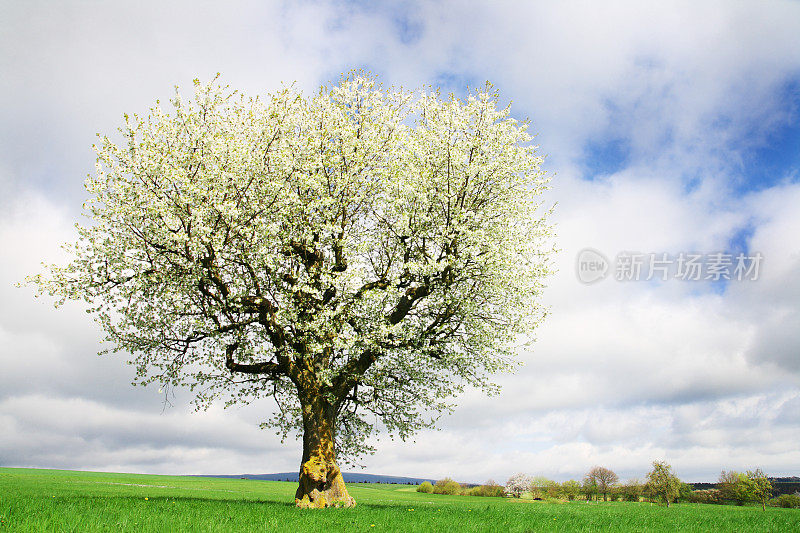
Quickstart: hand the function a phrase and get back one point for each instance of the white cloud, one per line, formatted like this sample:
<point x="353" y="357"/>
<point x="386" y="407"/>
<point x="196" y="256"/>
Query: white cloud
<point x="45" y="431"/>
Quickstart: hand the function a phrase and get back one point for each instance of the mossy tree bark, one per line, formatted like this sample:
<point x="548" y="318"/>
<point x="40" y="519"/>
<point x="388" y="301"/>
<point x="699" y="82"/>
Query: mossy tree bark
<point x="321" y="481"/>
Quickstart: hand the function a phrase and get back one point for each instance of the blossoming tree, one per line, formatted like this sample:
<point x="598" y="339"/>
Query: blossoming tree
<point x="360" y="255"/>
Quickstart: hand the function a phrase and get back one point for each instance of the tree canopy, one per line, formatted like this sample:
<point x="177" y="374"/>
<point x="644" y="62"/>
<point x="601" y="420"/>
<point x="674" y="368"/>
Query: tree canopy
<point x="359" y="255"/>
<point x="518" y="484"/>
<point x="759" y="487"/>
<point x="602" y="478"/>
<point x="662" y="483"/>
<point x="743" y="487"/>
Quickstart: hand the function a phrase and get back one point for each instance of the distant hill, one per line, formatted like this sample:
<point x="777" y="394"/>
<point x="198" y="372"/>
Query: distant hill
<point x="349" y="477"/>
<point x="790" y="479"/>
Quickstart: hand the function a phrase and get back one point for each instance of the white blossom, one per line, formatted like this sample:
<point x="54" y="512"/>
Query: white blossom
<point x="392" y="246"/>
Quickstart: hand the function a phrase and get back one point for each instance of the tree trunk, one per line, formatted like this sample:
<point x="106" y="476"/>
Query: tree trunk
<point x="321" y="481"/>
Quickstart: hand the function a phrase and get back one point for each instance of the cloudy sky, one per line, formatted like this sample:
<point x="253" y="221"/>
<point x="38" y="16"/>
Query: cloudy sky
<point x="669" y="128"/>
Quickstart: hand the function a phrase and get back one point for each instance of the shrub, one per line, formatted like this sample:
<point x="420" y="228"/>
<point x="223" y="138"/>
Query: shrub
<point x="541" y="487"/>
<point x="787" y="501"/>
<point x="490" y="489"/>
<point x="705" y="496"/>
<point x="589" y="488"/>
<point x="629" y="497"/>
<point x="570" y="489"/>
<point x="632" y="491"/>
<point x="447" y="486"/>
<point x="684" y="492"/>
<point x="425" y="487"/>
<point x="741" y="488"/>
<point x="732" y="487"/>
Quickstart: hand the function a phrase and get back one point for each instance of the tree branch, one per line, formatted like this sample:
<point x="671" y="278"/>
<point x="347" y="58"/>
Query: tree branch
<point x="269" y="368"/>
<point x="349" y="376"/>
<point x="407" y="301"/>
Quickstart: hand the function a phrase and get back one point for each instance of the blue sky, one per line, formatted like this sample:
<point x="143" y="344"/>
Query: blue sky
<point x="775" y="156"/>
<point x="668" y="127"/>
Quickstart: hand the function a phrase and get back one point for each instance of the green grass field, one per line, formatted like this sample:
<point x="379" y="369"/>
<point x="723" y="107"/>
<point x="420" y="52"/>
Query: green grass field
<point x="57" y="500"/>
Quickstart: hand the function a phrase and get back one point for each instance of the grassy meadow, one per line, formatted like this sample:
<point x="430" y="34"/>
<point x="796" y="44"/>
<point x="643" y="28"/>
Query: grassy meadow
<point x="59" y="500"/>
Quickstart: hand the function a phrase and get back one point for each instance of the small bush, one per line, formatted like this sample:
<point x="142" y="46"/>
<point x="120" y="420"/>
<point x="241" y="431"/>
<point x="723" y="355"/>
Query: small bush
<point x="425" y="487"/>
<point x="705" y="496"/>
<point x="732" y="487"/>
<point x="684" y="492"/>
<point x="447" y="486"/>
<point x="540" y="487"/>
<point x="491" y="490"/>
<point x="787" y="501"/>
<point x="631" y="491"/>
<point x="570" y="489"/>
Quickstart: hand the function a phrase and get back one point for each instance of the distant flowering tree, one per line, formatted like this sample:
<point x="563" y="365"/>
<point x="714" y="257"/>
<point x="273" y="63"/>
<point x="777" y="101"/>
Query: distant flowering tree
<point x="361" y="254"/>
<point x="518" y="484"/>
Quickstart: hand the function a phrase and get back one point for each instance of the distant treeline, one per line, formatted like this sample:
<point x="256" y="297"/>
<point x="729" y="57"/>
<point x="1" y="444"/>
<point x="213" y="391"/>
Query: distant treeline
<point x="778" y="487"/>
<point x="661" y="485"/>
<point x="349" y="477"/>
